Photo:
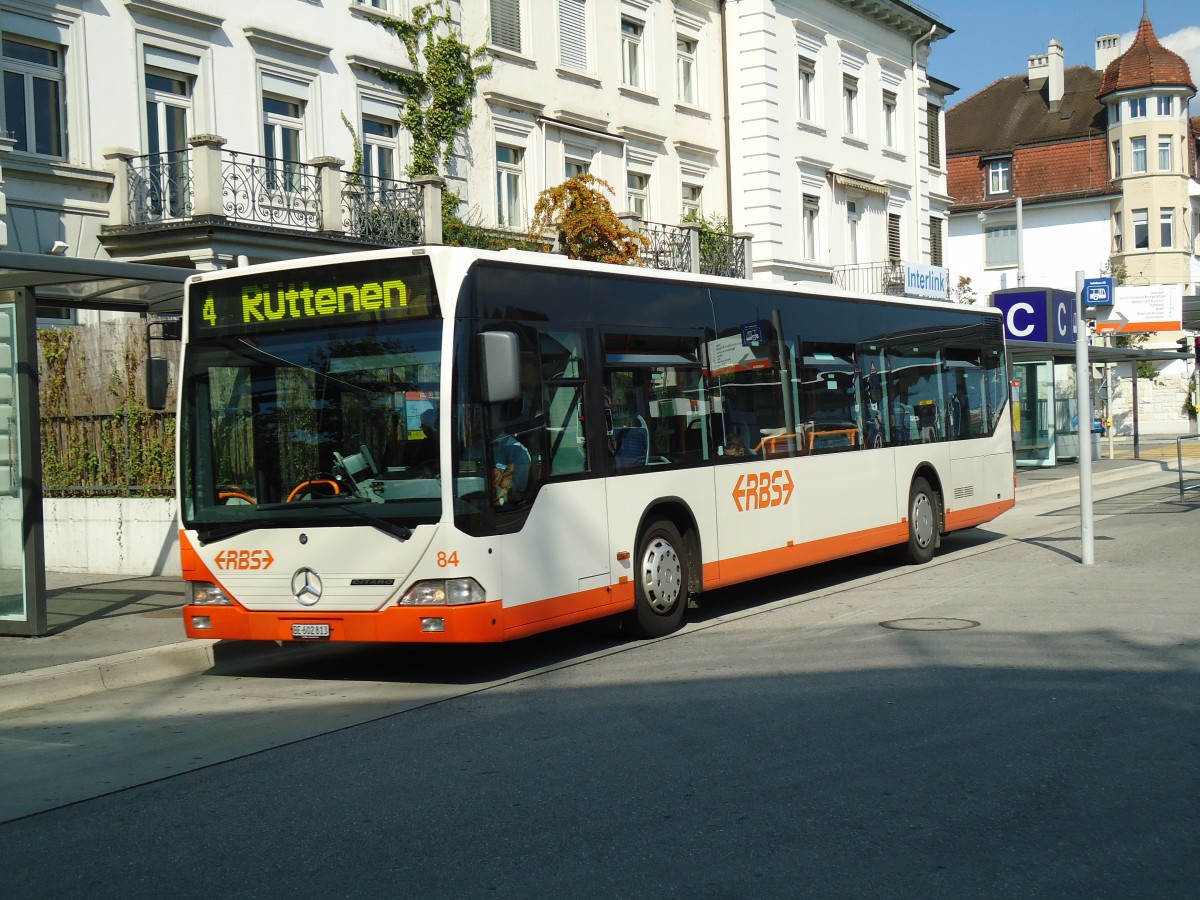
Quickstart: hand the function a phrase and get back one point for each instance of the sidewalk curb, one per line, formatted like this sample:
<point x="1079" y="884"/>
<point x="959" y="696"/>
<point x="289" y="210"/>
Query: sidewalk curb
<point x="68" y="681"/>
<point x="1147" y="468"/>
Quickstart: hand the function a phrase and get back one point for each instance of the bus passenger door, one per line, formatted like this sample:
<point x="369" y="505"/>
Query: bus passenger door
<point x="561" y="551"/>
<point x="659" y="440"/>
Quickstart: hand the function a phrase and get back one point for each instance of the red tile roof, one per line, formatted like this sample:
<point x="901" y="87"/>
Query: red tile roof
<point x="1044" y="173"/>
<point x="1146" y="64"/>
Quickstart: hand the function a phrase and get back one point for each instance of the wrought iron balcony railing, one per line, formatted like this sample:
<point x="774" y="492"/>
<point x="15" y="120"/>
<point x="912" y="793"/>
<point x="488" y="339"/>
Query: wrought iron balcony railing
<point x="724" y="254"/>
<point x="208" y="182"/>
<point x="264" y="190"/>
<point x="382" y="210"/>
<point x="160" y="187"/>
<point x="690" y="248"/>
<point x="670" y="247"/>
<point x="871" y="278"/>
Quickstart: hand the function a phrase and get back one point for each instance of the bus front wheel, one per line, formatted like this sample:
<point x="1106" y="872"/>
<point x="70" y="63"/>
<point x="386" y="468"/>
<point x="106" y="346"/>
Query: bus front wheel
<point x="660" y="581"/>
<point x="922" y="522"/>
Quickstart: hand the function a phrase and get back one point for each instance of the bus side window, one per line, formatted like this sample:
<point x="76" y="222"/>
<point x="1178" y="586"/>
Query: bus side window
<point x="918" y="404"/>
<point x="830" y="388"/>
<point x="873" y="411"/>
<point x="563" y="379"/>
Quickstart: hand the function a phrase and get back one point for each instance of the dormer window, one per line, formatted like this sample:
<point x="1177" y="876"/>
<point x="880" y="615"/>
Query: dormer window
<point x="999" y="176"/>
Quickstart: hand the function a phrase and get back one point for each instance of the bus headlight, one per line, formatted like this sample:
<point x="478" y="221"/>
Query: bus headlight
<point x="444" y="592"/>
<point x="205" y="593"/>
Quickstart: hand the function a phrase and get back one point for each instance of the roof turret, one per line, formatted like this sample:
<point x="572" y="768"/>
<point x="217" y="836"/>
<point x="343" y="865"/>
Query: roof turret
<point x="1147" y="63"/>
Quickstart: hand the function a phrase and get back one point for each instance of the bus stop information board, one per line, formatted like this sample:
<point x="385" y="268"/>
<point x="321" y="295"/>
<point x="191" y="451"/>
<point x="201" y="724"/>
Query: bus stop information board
<point x="1139" y="308"/>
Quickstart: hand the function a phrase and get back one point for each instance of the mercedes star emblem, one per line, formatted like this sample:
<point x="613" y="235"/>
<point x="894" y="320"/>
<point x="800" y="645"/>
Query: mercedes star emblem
<point x="306" y="586"/>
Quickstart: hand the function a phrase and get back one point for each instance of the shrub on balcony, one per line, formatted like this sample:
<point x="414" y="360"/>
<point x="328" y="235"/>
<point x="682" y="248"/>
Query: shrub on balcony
<point x="587" y="228"/>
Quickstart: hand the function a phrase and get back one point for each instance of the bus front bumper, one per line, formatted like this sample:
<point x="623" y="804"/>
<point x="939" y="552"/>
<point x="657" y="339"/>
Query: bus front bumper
<point x="474" y="623"/>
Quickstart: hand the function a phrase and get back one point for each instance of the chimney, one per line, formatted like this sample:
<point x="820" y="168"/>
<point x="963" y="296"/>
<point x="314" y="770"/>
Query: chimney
<point x="1108" y="48"/>
<point x="1047" y="68"/>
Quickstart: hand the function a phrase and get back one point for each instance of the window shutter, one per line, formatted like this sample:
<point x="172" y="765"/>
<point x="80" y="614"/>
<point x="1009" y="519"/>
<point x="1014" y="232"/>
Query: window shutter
<point x="506" y="24"/>
<point x="893" y="236"/>
<point x="935" y="241"/>
<point x="572" y="33"/>
<point x="935" y="136"/>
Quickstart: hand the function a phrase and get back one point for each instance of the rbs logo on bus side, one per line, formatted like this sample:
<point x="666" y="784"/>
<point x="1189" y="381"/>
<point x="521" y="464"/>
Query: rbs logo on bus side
<point x="759" y="490"/>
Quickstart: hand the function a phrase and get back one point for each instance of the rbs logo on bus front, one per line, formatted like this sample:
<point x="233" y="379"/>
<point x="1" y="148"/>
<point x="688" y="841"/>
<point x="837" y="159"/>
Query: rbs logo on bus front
<point x="760" y="490"/>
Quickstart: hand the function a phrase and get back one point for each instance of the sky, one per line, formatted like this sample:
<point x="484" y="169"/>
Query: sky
<point x="993" y="41"/>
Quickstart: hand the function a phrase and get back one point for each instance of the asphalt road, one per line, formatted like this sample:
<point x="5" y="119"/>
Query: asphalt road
<point x="1023" y="726"/>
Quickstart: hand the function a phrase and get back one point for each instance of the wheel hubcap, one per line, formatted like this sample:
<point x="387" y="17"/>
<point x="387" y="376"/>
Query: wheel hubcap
<point x="662" y="576"/>
<point x="922" y="520"/>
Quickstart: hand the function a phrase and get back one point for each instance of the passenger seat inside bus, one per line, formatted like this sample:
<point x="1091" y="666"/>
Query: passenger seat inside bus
<point x="632" y="447"/>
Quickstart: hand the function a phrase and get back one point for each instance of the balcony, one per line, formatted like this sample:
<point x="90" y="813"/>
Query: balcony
<point x="689" y="248"/>
<point x="895" y="278"/>
<point x="211" y="186"/>
<point x="383" y="211"/>
<point x="871" y="278"/>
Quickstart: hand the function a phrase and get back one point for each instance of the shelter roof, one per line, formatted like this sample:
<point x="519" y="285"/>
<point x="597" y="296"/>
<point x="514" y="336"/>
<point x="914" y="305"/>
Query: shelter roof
<point x="95" y="283"/>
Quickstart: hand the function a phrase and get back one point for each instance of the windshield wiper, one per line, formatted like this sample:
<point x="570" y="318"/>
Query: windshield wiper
<point x="220" y="532"/>
<point x="400" y="532"/>
<point x="210" y="533"/>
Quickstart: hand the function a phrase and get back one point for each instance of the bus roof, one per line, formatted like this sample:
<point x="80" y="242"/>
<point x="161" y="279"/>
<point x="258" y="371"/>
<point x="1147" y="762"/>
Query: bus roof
<point x="462" y="258"/>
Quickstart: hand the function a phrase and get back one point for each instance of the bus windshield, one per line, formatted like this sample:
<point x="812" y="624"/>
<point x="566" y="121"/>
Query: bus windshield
<point x="289" y="428"/>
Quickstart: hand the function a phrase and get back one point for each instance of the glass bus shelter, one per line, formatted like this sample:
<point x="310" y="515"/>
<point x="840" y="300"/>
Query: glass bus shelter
<point x="27" y="280"/>
<point x="1043" y="397"/>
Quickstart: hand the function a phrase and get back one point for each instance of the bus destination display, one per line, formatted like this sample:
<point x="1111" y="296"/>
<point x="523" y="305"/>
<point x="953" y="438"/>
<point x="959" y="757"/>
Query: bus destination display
<point x="311" y="298"/>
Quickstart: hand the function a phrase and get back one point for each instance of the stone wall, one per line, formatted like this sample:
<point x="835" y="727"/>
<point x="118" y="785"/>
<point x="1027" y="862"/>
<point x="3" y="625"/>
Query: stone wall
<point x="118" y="535"/>
<point x="1160" y="404"/>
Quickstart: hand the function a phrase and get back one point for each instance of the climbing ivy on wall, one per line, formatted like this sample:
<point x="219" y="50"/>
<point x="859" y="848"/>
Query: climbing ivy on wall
<point x="438" y="85"/>
<point x="107" y="445"/>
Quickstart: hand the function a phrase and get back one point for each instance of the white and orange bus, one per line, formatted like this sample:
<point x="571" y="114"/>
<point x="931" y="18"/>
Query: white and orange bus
<point x="444" y="444"/>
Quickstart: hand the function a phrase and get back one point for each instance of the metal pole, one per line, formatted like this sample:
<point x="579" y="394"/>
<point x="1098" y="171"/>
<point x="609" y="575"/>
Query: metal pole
<point x="1136" y="441"/>
<point x="1020" y="246"/>
<point x="1108" y="404"/>
<point x="1083" y="403"/>
<point x="1179" y="463"/>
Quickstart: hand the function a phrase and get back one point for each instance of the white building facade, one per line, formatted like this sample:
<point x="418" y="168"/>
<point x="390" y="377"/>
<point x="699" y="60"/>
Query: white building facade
<point x="195" y="133"/>
<point x="630" y="91"/>
<point x="836" y="125"/>
<point x="127" y="118"/>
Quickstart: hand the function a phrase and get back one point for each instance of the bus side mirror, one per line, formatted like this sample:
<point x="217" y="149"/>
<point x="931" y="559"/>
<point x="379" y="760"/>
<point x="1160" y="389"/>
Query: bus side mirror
<point x="156" y="383"/>
<point x="501" y="366"/>
<point x="169" y="328"/>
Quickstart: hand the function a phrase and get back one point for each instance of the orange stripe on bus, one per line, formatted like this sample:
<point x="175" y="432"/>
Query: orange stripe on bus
<point x="796" y="556"/>
<point x="569" y="609"/>
<point x="976" y="515"/>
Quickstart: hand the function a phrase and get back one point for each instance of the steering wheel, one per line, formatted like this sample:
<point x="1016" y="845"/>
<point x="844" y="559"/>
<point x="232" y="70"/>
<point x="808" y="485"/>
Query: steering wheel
<point x="309" y="485"/>
<point x="233" y="494"/>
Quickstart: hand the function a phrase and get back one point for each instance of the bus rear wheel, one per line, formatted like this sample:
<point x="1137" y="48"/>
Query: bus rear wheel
<point x="923" y="517"/>
<point x="660" y="581"/>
